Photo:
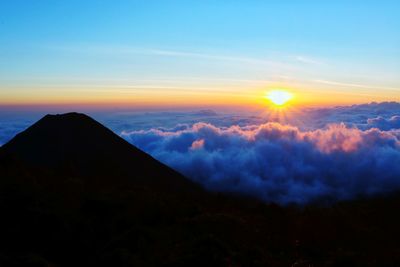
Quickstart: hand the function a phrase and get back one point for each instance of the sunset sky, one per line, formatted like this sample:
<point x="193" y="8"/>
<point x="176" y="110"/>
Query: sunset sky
<point x="198" y="53"/>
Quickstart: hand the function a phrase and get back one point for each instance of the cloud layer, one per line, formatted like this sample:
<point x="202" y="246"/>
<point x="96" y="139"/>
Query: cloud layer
<point x="365" y="116"/>
<point x="317" y="154"/>
<point x="280" y="163"/>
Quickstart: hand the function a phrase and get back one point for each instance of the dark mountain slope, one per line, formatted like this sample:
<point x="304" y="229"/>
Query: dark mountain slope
<point x="72" y="193"/>
<point x="77" y="145"/>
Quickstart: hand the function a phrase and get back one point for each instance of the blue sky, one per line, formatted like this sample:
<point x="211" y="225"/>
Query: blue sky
<point x="142" y="51"/>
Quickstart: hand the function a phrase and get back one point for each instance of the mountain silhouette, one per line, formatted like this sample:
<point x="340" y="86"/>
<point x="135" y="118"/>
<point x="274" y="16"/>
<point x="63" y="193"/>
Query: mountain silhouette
<point x="77" y="145"/>
<point x="73" y="193"/>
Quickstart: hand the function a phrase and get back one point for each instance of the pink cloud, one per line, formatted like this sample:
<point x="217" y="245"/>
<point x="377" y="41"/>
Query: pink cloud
<point x="198" y="144"/>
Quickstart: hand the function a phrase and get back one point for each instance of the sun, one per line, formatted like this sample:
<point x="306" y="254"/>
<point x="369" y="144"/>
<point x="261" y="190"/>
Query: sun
<point x="279" y="97"/>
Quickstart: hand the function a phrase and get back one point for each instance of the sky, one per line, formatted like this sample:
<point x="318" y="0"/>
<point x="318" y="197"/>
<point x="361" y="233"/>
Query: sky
<point x="153" y="54"/>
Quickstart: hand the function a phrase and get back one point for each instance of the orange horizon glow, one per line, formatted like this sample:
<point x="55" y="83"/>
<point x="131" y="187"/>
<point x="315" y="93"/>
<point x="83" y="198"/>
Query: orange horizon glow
<point x="246" y="97"/>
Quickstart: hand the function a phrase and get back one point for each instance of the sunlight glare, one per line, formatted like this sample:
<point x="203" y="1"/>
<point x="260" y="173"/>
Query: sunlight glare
<point x="279" y="97"/>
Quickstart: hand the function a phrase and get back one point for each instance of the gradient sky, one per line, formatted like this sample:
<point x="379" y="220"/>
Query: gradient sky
<point x="188" y="53"/>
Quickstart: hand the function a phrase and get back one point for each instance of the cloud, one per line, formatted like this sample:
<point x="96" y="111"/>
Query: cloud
<point x="323" y="153"/>
<point x="307" y="60"/>
<point x="280" y="163"/>
<point x="355" y="85"/>
<point x="198" y="144"/>
<point x="133" y="50"/>
<point x="10" y="126"/>
<point x="364" y="116"/>
<point x="384" y="124"/>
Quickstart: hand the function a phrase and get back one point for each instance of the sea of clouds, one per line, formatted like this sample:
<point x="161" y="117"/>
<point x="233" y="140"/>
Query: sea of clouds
<point x="318" y="154"/>
<point x="332" y="154"/>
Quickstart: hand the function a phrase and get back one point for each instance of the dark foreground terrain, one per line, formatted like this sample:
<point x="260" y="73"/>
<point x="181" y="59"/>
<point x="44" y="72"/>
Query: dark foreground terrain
<point x="72" y="193"/>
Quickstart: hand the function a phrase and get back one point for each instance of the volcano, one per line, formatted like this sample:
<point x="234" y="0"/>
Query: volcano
<point x="74" y="144"/>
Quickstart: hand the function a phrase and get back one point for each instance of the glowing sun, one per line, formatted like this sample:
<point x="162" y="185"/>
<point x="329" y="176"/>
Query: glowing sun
<point x="279" y="97"/>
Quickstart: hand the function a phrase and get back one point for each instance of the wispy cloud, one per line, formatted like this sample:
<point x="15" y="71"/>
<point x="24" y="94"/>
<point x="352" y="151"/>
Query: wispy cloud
<point x="308" y="60"/>
<point x="133" y="50"/>
<point x="355" y="85"/>
<point x="213" y="57"/>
